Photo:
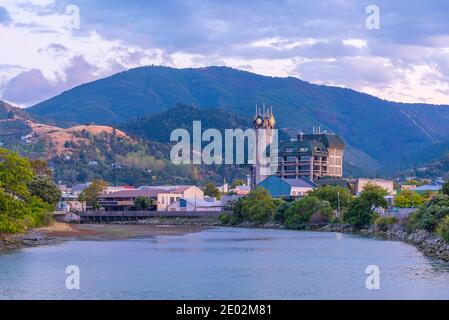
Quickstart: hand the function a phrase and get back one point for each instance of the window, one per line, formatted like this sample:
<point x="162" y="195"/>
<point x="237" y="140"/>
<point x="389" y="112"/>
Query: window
<point x="289" y="149"/>
<point x="303" y="149"/>
<point x="291" y="159"/>
<point x="304" y="158"/>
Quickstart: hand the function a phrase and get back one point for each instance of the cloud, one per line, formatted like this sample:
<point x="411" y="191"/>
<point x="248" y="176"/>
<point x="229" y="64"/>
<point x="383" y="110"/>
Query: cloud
<point x="30" y="87"/>
<point x="4" y="16"/>
<point x="27" y="87"/>
<point x="321" y="41"/>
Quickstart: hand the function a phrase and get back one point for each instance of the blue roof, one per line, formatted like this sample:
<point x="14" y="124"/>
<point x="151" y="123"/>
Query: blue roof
<point x="427" y="187"/>
<point x="302" y="182"/>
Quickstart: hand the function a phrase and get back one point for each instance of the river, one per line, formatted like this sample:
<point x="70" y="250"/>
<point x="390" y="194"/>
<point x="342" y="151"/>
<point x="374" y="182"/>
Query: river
<point x="225" y="263"/>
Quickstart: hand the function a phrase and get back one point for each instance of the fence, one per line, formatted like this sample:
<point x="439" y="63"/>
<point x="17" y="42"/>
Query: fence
<point x="110" y="216"/>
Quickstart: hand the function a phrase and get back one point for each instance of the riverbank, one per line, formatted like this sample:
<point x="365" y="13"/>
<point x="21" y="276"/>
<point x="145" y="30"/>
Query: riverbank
<point x="59" y="232"/>
<point x="429" y="244"/>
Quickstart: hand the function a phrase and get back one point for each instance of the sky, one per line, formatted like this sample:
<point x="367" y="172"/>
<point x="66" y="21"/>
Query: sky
<point x="48" y="46"/>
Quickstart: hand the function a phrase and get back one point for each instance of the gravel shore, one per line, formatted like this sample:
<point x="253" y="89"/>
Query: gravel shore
<point x="59" y="232"/>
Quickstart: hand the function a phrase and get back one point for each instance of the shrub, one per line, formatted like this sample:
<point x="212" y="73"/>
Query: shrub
<point x="279" y="213"/>
<point x="300" y="211"/>
<point x="384" y="222"/>
<point x="443" y="229"/>
<point x="359" y="213"/>
<point x="319" y="217"/>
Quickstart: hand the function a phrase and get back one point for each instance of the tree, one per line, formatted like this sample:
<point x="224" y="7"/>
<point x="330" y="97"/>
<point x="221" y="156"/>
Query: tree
<point x="408" y="199"/>
<point x="44" y="188"/>
<point x="237" y="182"/>
<point x="40" y="167"/>
<point x="359" y="213"/>
<point x="445" y="188"/>
<point x="338" y="197"/>
<point x="300" y="211"/>
<point x="374" y="195"/>
<point x="142" y="203"/>
<point x="258" y="206"/>
<point x="15" y="174"/>
<point x="92" y="192"/>
<point x="19" y="209"/>
<point x="211" y="190"/>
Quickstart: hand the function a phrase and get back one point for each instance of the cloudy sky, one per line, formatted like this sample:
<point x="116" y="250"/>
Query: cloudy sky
<point x="44" y="51"/>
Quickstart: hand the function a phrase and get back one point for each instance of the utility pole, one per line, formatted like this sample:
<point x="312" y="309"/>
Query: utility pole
<point x="338" y="202"/>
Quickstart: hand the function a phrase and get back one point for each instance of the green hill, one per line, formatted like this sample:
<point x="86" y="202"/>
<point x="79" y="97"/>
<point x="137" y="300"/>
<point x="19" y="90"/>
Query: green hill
<point x="390" y="133"/>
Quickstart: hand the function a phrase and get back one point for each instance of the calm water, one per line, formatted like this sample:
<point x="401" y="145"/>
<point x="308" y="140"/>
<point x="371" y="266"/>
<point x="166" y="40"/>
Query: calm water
<point x="225" y="263"/>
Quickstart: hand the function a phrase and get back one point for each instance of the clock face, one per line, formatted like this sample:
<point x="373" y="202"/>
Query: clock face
<point x="258" y="122"/>
<point x="272" y="121"/>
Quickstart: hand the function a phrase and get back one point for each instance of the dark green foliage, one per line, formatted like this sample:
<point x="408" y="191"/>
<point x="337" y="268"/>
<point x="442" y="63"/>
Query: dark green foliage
<point x="445" y="188"/>
<point x="429" y="216"/>
<point x="300" y="211"/>
<point x="384" y="222"/>
<point x="44" y="188"/>
<point x="19" y="208"/>
<point x="257" y="206"/>
<point x="211" y="190"/>
<point x="142" y="203"/>
<point x="359" y="213"/>
<point x="335" y="196"/>
<point x="374" y="195"/>
<point x="443" y="229"/>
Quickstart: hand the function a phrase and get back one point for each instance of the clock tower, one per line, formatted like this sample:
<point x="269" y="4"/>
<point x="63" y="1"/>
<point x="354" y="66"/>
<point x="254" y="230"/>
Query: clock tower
<point x="264" y="123"/>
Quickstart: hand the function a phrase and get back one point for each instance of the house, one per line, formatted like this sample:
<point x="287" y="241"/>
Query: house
<point x="70" y="203"/>
<point x="357" y="185"/>
<point x="162" y="196"/>
<point x="167" y="197"/>
<point x="426" y="188"/>
<point x="124" y="200"/>
<point x="279" y="187"/>
<point x="189" y="204"/>
<point x="240" y="190"/>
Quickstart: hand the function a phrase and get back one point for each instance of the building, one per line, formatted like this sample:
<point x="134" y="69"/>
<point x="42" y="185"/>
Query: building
<point x="282" y="188"/>
<point x="70" y="203"/>
<point x="186" y="204"/>
<point x="264" y="123"/>
<point x="427" y="188"/>
<point x="240" y="190"/>
<point x="357" y="185"/>
<point x="124" y="200"/>
<point x="167" y="197"/>
<point x="329" y="182"/>
<point x="162" y="196"/>
<point x="312" y="156"/>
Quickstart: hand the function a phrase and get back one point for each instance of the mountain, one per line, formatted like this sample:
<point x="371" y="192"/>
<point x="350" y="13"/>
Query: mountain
<point x="389" y="133"/>
<point x="86" y="152"/>
<point x="158" y="127"/>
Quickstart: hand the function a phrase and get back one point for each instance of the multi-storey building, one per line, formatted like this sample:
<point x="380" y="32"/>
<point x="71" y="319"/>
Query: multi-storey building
<point x="311" y="155"/>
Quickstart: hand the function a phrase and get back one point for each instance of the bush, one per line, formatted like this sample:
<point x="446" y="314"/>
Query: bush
<point x="384" y="222"/>
<point x="300" y="211"/>
<point x="443" y="229"/>
<point x="318" y="218"/>
<point x="279" y="213"/>
<point x="359" y="213"/>
<point x="258" y="207"/>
